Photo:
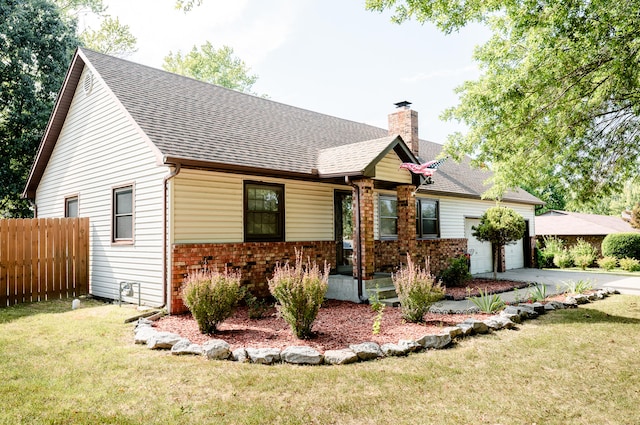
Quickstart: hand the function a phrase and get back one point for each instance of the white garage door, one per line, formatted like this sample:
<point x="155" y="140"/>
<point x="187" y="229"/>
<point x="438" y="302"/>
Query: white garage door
<point x="481" y="259"/>
<point x="514" y="255"/>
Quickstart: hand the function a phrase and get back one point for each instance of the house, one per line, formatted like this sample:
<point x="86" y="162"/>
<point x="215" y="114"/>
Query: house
<point x="571" y="226"/>
<point x="176" y="174"/>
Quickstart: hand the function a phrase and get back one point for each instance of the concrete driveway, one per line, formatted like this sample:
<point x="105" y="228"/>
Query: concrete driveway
<point x="553" y="278"/>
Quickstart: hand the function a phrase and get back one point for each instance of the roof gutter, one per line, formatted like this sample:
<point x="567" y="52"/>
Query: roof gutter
<point x="165" y="232"/>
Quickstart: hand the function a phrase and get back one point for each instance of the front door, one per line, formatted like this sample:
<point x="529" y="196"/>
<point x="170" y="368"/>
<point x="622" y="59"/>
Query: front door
<point x="343" y="207"/>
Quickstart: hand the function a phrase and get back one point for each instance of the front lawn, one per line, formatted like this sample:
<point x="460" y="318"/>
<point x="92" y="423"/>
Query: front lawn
<point x="575" y="366"/>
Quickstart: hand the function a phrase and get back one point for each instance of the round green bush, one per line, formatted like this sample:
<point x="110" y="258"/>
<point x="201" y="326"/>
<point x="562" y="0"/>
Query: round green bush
<point x="622" y="245"/>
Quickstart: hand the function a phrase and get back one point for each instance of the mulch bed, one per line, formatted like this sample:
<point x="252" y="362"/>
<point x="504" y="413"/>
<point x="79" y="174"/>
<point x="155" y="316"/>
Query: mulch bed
<point x="488" y="286"/>
<point x="339" y="323"/>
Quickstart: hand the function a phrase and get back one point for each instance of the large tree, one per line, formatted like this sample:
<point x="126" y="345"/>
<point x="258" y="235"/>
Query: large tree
<point x="559" y="95"/>
<point x="215" y="66"/>
<point x="36" y="44"/>
<point x="111" y="37"/>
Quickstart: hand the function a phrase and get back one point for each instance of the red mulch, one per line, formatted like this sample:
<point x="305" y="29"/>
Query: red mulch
<point x="339" y="323"/>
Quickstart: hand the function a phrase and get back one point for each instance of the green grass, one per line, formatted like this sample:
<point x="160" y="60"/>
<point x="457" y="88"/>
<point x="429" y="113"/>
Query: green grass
<point x="578" y="366"/>
<point x="616" y="271"/>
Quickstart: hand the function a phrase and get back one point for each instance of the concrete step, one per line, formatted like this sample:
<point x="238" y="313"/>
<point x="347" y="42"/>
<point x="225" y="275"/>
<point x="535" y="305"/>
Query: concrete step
<point x="379" y="279"/>
<point x="383" y="292"/>
<point x="391" y="302"/>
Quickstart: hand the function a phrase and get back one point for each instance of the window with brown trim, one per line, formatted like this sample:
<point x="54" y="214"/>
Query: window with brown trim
<point x="263" y="212"/>
<point x="427" y="218"/>
<point x="123" y="214"/>
<point x="71" y="206"/>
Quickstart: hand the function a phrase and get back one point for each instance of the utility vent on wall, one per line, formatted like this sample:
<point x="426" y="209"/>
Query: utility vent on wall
<point x="87" y="84"/>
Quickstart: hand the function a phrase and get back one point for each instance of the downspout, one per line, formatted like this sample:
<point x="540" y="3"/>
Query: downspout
<point x="34" y="206"/>
<point x="165" y="232"/>
<point x="357" y="241"/>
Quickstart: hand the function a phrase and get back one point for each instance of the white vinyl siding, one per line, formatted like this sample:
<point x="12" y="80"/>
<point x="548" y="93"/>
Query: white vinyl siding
<point x="208" y="208"/>
<point x="99" y="149"/>
<point x="388" y="169"/>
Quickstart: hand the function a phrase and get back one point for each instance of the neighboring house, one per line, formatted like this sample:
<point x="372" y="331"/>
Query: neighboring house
<point x="176" y="174"/>
<point x="571" y="226"/>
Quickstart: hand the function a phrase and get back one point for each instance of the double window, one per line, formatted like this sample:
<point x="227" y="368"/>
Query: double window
<point x="123" y="214"/>
<point x="263" y="212"/>
<point x="427" y="225"/>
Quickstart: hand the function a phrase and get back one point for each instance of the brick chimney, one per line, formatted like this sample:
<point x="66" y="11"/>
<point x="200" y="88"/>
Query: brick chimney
<point x="404" y="121"/>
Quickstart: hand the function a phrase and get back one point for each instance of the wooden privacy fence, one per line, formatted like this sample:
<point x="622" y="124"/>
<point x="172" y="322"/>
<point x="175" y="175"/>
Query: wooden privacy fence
<point x="43" y="259"/>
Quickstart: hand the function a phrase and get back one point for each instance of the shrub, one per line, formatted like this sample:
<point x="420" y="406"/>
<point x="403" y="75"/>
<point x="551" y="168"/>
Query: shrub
<point x="488" y="303"/>
<point x="538" y="293"/>
<point x="577" y="287"/>
<point x="622" y="245"/>
<point x="417" y="290"/>
<point x="563" y="259"/>
<point x="299" y="290"/>
<point x="630" y="264"/>
<point x="583" y="254"/>
<point x="211" y="297"/>
<point x="457" y="274"/>
<point x="552" y="246"/>
<point x="608" y="263"/>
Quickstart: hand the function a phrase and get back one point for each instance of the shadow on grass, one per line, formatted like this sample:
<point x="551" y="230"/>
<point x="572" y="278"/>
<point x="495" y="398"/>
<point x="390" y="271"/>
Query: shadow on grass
<point x="19" y="311"/>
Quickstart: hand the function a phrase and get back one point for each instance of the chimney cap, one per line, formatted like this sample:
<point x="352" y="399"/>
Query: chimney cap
<point x="403" y="104"/>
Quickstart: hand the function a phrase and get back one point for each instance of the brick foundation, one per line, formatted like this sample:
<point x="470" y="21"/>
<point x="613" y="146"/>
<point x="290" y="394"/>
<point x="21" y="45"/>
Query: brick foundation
<point x="255" y="260"/>
<point x="439" y="251"/>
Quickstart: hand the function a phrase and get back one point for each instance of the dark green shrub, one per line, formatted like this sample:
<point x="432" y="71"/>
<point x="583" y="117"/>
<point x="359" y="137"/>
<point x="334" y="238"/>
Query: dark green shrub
<point x="417" y="290"/>
<point x="630" y="264"/>
<point x="211" y="297"/>
<point x="622" y="245"/>
<point x="256" y="307"/>
<point x="608" y="263"/>
<point x="544" y="258"/>
<point x="299" y="290"/>
<point x="457" y="274"/>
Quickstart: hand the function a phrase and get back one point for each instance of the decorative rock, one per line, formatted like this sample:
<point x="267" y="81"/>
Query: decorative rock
<point x="216" y="349"/>
<point x="465" y="328"/>
<point x="409" y="345"/>
<point x="143" y="321"/>
<point x="453" y="331"/>
<point x="505" y="322"/>
<point x="240" y="355"/>
<point x="514" y="318"/>
<point x="143" y="333"/>
<point x="184" y="346"/>
<point x="301" y="355"/>
<point x="601" y="294"/>
<point x="538" y="307"/>
<point x="435" y="341"/>
<point x="344" y="356"/>
<point x="367" y="350"/>
<point x="581" y="298"/>
<point x="557" y="305"/>
<point x="549" y="307"/>
<point x="477" y="326"/>
<point x="494" y="323"/>
<point x="570" y="301"/>
<point x="263" y="355"/>
<point x="393" y="350"/>
<point x="163" y="340"/>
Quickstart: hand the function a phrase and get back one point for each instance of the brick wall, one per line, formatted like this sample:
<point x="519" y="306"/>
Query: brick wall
<point x="439" y="252"/>
<point x="255" y="260"/>
<point x="366" y="227"/>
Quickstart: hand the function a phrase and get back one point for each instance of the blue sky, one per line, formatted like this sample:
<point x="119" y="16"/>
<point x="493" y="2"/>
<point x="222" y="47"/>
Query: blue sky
<point x="329" y="56"/>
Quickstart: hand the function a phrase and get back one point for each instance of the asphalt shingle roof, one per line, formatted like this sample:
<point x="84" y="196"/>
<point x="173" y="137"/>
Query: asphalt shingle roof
<point x="565" y="223"/>
<point x="195" y="121"/>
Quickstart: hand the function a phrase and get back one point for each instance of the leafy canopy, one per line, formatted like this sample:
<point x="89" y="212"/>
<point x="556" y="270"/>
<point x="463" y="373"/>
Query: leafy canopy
<point x="111" y="38"/>
<point x="211" y="65"/>
<point x="36" y="44"/>
<point x="559" y="95"/>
